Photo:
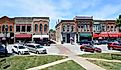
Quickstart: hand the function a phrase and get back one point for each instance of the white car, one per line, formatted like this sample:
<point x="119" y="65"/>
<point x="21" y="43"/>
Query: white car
<point x="20" y="49"/>
<point x="36" y="48"/>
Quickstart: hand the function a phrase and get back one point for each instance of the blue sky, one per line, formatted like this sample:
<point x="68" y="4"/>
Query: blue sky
<point x="61" y="9"/>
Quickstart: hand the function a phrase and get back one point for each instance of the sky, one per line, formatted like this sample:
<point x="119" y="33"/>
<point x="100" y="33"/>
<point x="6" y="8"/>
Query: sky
<point x="61" y="9"/>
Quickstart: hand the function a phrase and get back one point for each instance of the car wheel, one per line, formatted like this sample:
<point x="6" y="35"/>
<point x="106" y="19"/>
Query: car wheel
<point x="19" y="53"/>
<point x="12" y="51"/>
<point x="111" y="48"/>
<point x="37" y="52"/>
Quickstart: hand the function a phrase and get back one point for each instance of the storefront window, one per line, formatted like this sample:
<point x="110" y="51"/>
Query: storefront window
<point x="28" y="28"/>
<point x="17" y="28"/>
<point x="23" y="29"/>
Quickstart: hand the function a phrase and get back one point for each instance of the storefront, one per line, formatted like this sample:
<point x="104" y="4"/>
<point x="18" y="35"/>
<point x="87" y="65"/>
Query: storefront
<point x="86" y="36"/>
<point x="106" y="36"/>
<point x="67" y="36"/>
<point x="23" y="37"/>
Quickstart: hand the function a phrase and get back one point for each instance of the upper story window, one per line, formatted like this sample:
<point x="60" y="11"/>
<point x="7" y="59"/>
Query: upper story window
<point x="63" y="28"/>
<point x="17" y="28"/>
<point x="40" y="27"/>
<point x="45" y="27"/>
<point x="23" y="28"/>
<point x="72" y="28"/>
<point x="11" y="28"/>
<point x="36" y="27"/>
<point x="3" y="28"/>
<point x="67" y="27"/>
<point x="0" y="28"/>
<point x="28" y="28"/>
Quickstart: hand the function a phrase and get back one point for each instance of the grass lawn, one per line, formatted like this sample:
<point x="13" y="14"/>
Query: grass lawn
<point x="69" y="65"/>
<point x="25" y="62"/>
<point x="101" y="56"/>
<point x="107" y="65"/>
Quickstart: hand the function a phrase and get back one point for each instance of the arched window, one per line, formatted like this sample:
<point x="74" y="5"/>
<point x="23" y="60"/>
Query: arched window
<point x="3" y="28"/>
<point x="63" y="28"/>
<point x="6" y="28"/>
<point x="72" y="28"/>
<point x="40" y="27"/>
<point x="36" y="27"/>
<point x="11" y="28"/>
<point x="45" y="27"/>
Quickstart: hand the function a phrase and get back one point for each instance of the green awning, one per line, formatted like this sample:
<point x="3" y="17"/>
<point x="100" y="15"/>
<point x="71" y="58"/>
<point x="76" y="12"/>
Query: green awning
<point x="85" y="35"/>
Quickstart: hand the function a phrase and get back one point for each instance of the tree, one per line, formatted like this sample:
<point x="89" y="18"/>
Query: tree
<point x="118" y="22"/>
<point x="51" y="30"/>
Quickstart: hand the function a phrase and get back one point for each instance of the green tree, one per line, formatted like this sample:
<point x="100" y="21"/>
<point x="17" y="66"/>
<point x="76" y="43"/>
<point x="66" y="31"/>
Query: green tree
<point x="51" y="30"/>
<point x="118" y="22"/>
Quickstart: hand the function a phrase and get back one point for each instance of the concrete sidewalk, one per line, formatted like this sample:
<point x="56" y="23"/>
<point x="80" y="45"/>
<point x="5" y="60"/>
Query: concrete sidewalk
<point x="103" y="60"/>
<point x="49" y="64"/>
<point x="81" y="61"/>
<point x="85" y="64"/>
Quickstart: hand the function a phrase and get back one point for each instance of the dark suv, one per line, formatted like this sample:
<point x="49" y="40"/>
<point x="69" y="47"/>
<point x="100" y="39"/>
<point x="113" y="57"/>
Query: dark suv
<point x="3" y="50"/>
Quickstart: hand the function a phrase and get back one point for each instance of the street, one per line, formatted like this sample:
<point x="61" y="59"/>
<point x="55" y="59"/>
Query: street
<point x="54" y="49"/>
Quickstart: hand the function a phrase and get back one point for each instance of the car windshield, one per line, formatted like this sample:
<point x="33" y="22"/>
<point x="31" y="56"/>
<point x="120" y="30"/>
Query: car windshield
<point x="1" y="47"/>
<point x="21" y="47"/>
<point x="85" y="42"/>
<point x="39" y="46"/>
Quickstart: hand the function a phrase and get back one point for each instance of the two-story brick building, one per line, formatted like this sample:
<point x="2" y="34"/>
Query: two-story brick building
<point x="40" y="28"/>
<point x="23" y="29"/>
<point x="7" y="29"/>
<point x="84" y="27"/>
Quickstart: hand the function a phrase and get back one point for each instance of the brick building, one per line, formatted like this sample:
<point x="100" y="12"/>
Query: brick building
<point x="7" y="29"/>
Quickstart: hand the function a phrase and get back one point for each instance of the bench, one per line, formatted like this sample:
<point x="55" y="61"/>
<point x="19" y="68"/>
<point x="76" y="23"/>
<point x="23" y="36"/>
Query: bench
<point x="115" y="55"/>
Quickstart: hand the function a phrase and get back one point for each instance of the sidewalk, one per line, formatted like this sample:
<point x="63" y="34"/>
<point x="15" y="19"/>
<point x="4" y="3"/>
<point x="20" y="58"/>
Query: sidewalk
<point x="85" y="64"/>
<point x="103" y="60"/>
<point x="81" y="61"/>
<point x="49" y="64"/>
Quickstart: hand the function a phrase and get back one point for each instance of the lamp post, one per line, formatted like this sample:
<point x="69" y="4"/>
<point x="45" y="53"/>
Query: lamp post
<point x="6" y="28"/>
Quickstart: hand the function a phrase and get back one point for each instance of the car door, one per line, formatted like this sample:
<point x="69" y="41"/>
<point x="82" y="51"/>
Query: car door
<point x="15" y="48"/>
<point x="115" y="46"/>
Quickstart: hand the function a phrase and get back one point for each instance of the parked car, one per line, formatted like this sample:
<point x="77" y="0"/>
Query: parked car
<point x="90" y="48"/>
<point x="20" y="49"/>
<point x="41" y="42"/>
<point x="2" y="49"/>
<point x="86" y="43"/>
<point x="36" y="48"/>
<point x="114" y="45"/>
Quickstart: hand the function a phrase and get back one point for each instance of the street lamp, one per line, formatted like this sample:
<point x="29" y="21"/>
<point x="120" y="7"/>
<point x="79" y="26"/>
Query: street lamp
<point x="6" y="29"/>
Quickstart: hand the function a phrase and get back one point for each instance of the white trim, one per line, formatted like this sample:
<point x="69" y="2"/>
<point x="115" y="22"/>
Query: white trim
<point x="40" y="36"/>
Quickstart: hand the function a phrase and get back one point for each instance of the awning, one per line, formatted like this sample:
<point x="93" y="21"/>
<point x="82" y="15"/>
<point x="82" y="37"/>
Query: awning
<point x="108" y="34"/>
<point x="85" y="34"/>
<point x="40" y="36"/>
<point x="95" y="35"/>
<point x="23" y="35"/>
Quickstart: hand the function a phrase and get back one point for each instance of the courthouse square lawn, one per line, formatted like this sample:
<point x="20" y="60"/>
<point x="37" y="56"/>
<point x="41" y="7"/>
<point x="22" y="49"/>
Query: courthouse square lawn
<point x="25" y="62"/>
<point x="101" y="56"/>
<point x="68" y="65"/>
<point x="107" y="65"/>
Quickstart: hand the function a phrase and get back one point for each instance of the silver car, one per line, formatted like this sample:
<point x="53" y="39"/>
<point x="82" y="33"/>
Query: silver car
<point x="36" y="48"/>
